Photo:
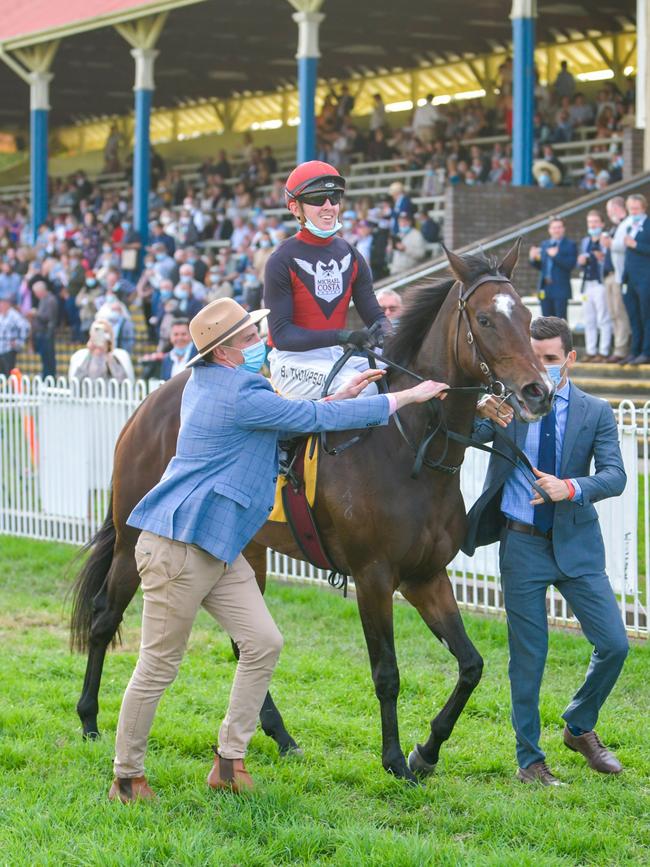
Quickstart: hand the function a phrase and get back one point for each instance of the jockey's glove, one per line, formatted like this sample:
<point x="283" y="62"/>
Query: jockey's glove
<point x="362" y="338"/>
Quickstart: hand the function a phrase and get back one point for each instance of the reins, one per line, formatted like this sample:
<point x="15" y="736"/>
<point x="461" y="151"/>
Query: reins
<point x="437" y="423"/>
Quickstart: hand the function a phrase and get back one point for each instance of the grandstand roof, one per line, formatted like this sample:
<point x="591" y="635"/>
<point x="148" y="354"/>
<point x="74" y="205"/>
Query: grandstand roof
<point x="213" y="49"/>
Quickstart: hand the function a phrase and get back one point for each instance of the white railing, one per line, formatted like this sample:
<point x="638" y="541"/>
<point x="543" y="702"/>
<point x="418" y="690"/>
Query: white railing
<point x="56" y="456"/>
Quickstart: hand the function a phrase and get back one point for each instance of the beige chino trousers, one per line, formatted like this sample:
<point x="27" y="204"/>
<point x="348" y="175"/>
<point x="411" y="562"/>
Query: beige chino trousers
<point x="177" y="579"/>
<point x="618" y="313"/>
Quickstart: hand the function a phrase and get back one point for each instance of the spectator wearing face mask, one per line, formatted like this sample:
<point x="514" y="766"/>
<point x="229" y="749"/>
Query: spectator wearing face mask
<point x="197" y="263"/>
<point x="164" y="264"/>
<point x="86" y="301"/>
<point x="123" y="329"/>
<point x="637" y="278"/>
<point x="189" y="293"/>
<point x="100" y="359"/>
<point x="264" y="248"/>
<point x="409" y="247"/>
<point x="596" y="266"/>
<point x="219" y="286"/>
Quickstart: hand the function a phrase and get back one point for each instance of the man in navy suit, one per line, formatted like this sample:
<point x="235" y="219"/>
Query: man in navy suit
<point x="213" y="497"/>
<point x="559" y="543"/>
<point x="636" y="278"/>
<point x="182" y="351"/>
<point x="555" y="259"/>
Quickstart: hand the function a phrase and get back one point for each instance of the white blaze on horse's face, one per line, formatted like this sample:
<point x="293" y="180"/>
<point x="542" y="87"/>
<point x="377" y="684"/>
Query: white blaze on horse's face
<point x="503" y="304"/>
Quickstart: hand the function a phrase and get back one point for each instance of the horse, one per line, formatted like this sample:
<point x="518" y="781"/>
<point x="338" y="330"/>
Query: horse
<point x="387" y="529"/>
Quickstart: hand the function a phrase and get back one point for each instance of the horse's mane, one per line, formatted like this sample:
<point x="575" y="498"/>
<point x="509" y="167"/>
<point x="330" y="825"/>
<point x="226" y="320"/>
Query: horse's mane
<point x="422" y="304"/>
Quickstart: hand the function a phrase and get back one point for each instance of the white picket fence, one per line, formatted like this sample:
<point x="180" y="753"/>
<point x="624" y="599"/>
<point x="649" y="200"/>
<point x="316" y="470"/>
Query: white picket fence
<point x="56" y="456"/>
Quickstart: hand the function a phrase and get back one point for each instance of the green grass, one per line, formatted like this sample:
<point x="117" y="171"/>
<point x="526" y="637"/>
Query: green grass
<point x="337" y="806"/>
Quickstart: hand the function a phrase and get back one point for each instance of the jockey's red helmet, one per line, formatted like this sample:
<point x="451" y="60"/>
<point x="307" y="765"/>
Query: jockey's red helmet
<point x="313" y="176"/>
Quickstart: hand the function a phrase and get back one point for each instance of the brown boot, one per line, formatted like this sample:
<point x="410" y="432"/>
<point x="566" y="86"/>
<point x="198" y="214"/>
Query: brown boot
<point x="230" y="774"/>
<point x="129" y="789"/>
<point x="599" y="758"/>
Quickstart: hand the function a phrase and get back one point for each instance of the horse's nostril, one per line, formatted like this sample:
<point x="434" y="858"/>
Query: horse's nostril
<point x="534" y="390"/>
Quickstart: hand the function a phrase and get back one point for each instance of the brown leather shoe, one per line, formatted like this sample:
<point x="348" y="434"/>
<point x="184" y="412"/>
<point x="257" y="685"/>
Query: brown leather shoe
<point x="592" y="748"/>
<point x="538" y="772"/>
<point x="129" y="789"/>
<point x="230" y="774"/>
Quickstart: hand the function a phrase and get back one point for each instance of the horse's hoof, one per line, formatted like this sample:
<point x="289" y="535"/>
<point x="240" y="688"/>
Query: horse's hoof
<point x="418" y="765"/>
<point x="91" y="736"/>
<point x="292" y="751"/>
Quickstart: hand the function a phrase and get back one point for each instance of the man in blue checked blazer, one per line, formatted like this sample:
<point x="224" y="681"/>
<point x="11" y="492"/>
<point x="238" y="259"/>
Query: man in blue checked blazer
<point x="214" y="496"/>
<point x="560" y="544"/>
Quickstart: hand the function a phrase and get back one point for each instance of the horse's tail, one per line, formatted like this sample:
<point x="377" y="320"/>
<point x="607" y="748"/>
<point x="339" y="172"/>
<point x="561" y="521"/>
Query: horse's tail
<point x="89" y="581"/>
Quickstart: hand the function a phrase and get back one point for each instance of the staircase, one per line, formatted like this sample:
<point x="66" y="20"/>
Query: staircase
<point x="29" y="363"/>
<point x="613" y="382"/>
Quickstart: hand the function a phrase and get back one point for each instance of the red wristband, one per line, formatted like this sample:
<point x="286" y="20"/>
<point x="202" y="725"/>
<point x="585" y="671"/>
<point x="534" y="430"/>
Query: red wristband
<point x="572" y="490"/>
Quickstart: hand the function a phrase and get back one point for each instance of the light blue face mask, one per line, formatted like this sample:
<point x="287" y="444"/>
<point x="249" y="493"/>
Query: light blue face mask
<point x="323" y="233"/>
<point x="595" y="232"/>
<point x="254" y="357"/>
<point x="555" y="373"/>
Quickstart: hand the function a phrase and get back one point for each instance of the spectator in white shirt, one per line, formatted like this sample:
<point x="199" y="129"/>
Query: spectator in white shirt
<point x="425" y="118"/>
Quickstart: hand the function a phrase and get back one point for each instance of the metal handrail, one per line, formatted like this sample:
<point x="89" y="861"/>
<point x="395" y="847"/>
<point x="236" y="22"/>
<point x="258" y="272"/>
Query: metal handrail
<point x="536" y="223"/>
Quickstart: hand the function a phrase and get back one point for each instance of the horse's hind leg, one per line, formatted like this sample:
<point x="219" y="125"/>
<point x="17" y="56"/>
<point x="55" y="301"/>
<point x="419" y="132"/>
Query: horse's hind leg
<point x="437" y="606"/>
<point x="108" y="607"/>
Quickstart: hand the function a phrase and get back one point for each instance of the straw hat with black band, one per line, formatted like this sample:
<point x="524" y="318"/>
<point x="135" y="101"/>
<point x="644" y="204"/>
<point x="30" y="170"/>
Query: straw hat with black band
<point x="540" y="166"/>
<point x="217" y="322"/>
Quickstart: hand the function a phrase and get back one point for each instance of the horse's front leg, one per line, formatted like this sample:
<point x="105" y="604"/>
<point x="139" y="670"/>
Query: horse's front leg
<point x="375" y="600"/>
<point x="437" y="606"/>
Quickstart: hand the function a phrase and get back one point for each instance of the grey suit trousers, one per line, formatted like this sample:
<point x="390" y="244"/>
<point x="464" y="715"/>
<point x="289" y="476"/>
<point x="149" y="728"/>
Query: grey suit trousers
<point x="528" y="568"/>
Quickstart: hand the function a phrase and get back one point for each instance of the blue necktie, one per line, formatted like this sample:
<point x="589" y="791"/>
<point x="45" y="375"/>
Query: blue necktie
<point x="543" y="518"/>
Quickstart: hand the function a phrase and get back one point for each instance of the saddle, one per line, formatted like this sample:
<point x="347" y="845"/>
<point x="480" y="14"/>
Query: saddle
<point x="294" y="499"/>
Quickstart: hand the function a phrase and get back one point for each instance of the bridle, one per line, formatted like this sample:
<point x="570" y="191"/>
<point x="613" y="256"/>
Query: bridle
<point x="463" y="319"/>
<point x="436" y="423"/>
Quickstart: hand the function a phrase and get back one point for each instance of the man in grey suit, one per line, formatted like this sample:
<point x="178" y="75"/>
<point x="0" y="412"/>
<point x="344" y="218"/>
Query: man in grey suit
<point x="558" y="543"/>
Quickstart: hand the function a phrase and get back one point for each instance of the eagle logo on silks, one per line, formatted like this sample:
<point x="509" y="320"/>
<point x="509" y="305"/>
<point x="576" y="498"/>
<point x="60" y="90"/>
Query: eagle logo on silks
<point x="328" y="276"/>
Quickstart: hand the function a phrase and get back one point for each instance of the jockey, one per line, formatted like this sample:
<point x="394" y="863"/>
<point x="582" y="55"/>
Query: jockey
<point x="308" y="284"/>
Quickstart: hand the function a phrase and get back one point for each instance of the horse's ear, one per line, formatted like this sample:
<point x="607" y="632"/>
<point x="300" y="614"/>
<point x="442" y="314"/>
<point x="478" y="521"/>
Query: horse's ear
<point x="458" y="266"/>
<point x="509" y="261"/>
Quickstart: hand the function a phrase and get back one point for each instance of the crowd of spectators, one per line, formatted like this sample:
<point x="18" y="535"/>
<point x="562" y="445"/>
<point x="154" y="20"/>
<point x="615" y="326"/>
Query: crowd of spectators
<point x="434" y="139"/>
<point x="212" y="233"/>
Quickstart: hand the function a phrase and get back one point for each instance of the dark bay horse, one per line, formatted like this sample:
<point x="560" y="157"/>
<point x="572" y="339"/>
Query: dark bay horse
<point x="388" y="530"/>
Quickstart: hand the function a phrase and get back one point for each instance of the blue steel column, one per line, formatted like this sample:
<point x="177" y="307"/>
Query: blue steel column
<point x="39" y="108"/>
<point x="523" y="17"/>
<point x="144" y="88"/>
<point x="307" y="57"/>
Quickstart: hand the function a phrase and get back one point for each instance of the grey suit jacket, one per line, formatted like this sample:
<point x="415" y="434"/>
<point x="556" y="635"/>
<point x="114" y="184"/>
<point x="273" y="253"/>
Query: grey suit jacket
<point x="577" y="541"/>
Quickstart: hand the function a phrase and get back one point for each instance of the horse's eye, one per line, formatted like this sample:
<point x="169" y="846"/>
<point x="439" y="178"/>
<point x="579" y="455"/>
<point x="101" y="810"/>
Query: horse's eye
<point x="483" y="321"/>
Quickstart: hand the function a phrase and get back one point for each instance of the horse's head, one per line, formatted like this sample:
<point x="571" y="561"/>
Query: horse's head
<point x="492" y="334"/>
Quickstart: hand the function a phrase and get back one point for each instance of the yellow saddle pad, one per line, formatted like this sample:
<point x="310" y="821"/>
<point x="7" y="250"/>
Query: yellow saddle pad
<point x="311" y="470"/>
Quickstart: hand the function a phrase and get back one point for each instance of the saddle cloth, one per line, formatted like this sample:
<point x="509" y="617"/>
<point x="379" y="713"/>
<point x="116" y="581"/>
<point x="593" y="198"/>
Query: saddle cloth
<point x="310" y="465"/>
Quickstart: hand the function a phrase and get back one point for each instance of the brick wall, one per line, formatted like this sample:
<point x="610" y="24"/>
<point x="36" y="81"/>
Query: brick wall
<point x="472" y="213"/>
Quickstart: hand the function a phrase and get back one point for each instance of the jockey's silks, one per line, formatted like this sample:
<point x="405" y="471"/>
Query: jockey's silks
<point x="308" y="285"/>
